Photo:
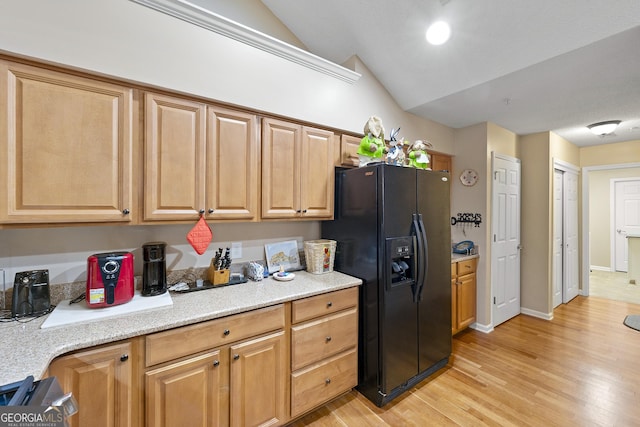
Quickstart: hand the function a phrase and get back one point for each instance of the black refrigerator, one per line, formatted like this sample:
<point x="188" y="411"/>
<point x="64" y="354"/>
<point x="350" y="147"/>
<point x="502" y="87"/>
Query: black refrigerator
<point x="392" y="228"/>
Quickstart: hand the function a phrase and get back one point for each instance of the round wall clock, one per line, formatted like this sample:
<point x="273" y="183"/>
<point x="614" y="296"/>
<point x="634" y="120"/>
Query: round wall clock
<point x="469" y="177"/>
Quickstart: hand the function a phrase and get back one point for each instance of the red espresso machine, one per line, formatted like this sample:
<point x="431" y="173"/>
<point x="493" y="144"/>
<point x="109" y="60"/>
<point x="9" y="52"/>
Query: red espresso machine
<point x="109" y="279"/>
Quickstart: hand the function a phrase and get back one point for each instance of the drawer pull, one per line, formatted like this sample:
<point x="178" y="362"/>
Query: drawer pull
<point x="236" y="356"/>
<point x="124" y="357"/>
<point x="327" y="381"/>
<point x="216" y="363"/>
<point x="226" y="332"/>
<point x="329" y="304"/>
<point x="328" y="339"/>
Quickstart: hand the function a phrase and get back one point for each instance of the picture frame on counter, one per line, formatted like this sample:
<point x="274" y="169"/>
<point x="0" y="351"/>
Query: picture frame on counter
<point x="283" y="255"/>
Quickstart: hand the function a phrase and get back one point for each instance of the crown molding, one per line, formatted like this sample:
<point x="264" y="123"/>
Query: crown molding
<point x="201" y="17"/>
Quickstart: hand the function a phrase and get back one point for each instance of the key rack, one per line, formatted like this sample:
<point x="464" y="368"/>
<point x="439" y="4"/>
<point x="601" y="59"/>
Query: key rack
<point x="464" y="218"/>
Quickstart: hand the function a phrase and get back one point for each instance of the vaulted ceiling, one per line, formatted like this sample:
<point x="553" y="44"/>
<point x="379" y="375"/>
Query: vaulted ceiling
<point x="526" y="65"/>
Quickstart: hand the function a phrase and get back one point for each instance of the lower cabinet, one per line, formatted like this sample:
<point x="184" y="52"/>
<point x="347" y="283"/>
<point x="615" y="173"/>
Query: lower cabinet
<point x="104" y="383"/>
<point x="463" y="294"/>
<point x="259" y="368"/>
<point x="324" y="357"/>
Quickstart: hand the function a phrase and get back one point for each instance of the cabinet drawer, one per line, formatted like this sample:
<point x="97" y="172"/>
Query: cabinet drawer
<point x="187" y="340"/>
<point x="466" y="267"/>
<point x="323" y="337"/>
<point x="324" y="304"/>
<point x="323" y="381"/>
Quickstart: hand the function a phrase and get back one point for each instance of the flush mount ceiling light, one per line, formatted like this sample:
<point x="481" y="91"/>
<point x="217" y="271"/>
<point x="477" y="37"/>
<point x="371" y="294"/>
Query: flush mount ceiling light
<point x="604" y="128"/>
<point x="438" y="33"/>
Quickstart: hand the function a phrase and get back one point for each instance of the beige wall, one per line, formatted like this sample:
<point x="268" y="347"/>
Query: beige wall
<point x="600" y="199"/>
<point x="610" y="154"/>
<point x="535" y="271"/>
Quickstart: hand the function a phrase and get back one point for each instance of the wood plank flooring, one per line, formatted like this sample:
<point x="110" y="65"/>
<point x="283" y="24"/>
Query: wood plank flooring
<point x="580" y="369"/>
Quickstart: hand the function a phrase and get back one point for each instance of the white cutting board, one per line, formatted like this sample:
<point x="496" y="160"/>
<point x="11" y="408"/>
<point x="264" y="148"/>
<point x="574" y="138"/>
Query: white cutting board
<point x="66" y="313"/>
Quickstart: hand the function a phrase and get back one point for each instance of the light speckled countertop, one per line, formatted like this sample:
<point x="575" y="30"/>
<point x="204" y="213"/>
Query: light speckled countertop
<point x="27" y="349"/>
<point x="462" y="257"/>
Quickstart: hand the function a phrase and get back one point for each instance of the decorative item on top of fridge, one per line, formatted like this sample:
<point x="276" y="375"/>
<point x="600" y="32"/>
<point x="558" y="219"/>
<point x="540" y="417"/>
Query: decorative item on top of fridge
<point x="372" y="146"/>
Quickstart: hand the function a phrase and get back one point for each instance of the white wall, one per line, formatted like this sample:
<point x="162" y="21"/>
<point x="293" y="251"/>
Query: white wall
<point x="122" y="39"/>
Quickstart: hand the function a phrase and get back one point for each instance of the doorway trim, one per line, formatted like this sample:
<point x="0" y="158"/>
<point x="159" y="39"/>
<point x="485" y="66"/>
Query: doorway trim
<point x="586" y="259"/>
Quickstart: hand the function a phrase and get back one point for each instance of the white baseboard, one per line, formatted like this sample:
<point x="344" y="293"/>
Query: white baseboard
<point x="600" y="268"/>
<point x="482" y="328"/>
<point x="535" y="313"/>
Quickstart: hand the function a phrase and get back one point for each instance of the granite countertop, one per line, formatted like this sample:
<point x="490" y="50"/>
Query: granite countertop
<point x="462" y="257"/>
<point x="27" y="349"/>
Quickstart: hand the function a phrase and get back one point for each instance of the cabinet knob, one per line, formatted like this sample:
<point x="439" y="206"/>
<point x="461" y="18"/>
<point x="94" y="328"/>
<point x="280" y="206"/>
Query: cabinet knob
<point x="236" y="356"/>
<point x="210" y="211"/>
<point x="124" y="357"/>
<point x="226" y="332"/>
<point x="327" y="381"/>
<point x="126" y="211"/>
<point x="201" y="211"/>
<point x="216" y="363"/>
<point x="328" y="339"/>
<point x="298" y="211"/>
<point x="329" y="304"/>
<point x="304" y="211"/>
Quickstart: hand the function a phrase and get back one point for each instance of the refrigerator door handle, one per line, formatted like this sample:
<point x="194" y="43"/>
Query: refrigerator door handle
<point x="424" y="255"/>
<point x="419" y="254"/>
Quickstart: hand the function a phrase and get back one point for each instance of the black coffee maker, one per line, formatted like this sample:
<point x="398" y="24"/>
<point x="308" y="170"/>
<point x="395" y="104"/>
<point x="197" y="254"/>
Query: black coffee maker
<point x="154" y="271"/>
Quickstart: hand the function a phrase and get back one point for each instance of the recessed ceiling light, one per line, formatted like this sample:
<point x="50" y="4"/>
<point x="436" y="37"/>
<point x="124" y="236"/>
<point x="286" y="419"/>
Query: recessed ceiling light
<point x="438" y="33"/>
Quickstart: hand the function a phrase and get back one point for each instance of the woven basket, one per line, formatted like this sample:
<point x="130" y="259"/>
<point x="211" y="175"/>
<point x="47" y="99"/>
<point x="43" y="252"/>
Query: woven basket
<point x="319" y="255"/>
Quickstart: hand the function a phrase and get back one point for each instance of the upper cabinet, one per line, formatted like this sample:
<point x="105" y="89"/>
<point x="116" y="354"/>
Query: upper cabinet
<point x="65" y="147"/>
<point x="440" y="162"/>
<point x="297" y="171"/>
<point x="349" y="150"/>
<point x="199" y="160"/>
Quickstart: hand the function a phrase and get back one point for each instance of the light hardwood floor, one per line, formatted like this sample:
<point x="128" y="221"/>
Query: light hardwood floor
<point x="580" y="369"/>
<point x="613" y="285"/>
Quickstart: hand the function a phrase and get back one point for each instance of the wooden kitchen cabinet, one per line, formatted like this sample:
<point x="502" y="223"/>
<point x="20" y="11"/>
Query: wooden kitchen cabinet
<point x="297" y="171"/>
<point x="227" y="371"/>
<point x="199" y="159"/>
<point x="258" y="390"/>
<point x="103" y="382"/>
<point x="191" y="392"/>
<point x="324" y="341"/>
<point x="66" y="147"/>
<point x="349" y="151"/>
<point x="463" y="290"/>
<point x="440" y="162"/>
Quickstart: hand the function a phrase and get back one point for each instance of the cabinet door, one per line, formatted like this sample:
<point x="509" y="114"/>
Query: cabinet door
<point x="102" y="381"/>
<point x="259" y="381"/>
<point x="440" y="162"/>
<point x="65" y="147"/>
<point x="466" y="300"/>
<point x="316" y="191"/>
<point x="280" y="169"/>
<point x="174" y="158"/>
<point x="193" y="392"/>
<point x="454" y="306"/>
<point x="232" y="170"/>
<point x="349" y="151"/>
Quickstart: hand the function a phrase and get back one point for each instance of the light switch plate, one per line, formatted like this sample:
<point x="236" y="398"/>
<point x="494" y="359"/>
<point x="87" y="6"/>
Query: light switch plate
<point x="236" y="250"/>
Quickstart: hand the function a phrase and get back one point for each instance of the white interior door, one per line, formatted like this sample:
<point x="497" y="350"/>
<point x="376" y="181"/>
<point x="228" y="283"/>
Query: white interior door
<point x="627" y="219"/>
<point x="571" y="277"/>
<point x="558" y="241"/>
<point x="505" y="246"/>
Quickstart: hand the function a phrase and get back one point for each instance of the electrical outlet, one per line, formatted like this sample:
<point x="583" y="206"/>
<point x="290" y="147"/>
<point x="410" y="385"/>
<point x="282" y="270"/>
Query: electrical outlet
<point x="236" y="250"/>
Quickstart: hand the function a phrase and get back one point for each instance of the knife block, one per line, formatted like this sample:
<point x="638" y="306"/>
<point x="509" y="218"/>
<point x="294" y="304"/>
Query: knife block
<point x="219" y="277"/>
